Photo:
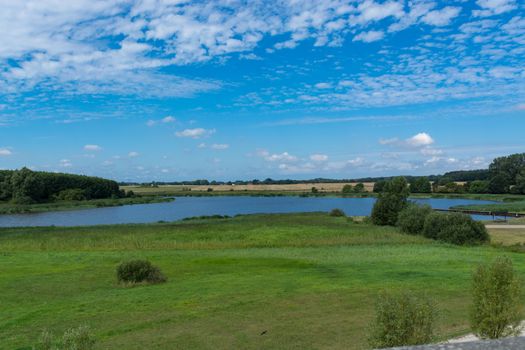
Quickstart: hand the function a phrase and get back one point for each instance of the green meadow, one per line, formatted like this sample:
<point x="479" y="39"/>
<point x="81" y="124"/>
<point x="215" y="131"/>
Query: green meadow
<point x="293" y="281"/>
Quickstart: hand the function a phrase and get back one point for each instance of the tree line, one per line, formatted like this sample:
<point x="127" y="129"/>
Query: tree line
<point x="504" y="175"/>
<point x="25" y="186"/>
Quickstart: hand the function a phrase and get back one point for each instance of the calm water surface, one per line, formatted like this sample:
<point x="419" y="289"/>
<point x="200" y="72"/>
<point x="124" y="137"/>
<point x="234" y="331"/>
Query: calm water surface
<point x="184" y="207"/>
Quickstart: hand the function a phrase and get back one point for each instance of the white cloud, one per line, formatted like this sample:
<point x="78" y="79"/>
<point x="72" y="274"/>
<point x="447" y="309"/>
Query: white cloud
<point x="4" y="152"/>
<point x="277" y="157"/>
<point x="494" y="7"/>
<point x="421" y="139"/>
<point x="92" y="148"/>
<point x="195" y="133"/>
<point x="65" y="163"/>
<point x="319" y="157"/>
<point x="323" y="85"/>
<point x="168" y="119"/>
<point x="521" y="107"/>
<point x="441" y="17"/>
<point x="440" y="161"/>
<point x="372" y="11"/>
<point x="370" y="36"/>
<point x="165" y="120"/>
<point x="133" y="154"/>
<point x="250" y="56"/>
<point x="217" y="146"/>
<point x="428" y="151"/>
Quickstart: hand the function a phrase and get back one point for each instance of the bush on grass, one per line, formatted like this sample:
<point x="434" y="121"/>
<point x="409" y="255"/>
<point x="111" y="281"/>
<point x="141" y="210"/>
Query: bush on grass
<point x="411" y="220"/>
<point x="455" y="228"/>
<point x="138" y="271"/>
<point x="497" y="308"/>
<point x="337" y="212"/>
<point x="79" y="338"/>
<point x="402" y="319"/>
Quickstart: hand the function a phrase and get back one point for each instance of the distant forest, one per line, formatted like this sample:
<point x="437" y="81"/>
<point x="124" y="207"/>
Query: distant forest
<point x="25" y="186"/>
<point x="504" y="175"/>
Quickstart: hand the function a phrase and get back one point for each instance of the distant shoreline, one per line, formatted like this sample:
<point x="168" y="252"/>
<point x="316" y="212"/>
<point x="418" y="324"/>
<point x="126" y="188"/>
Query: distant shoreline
<point x="7" y="208"/>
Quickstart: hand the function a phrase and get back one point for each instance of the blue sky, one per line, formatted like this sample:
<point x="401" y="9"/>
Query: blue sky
<point x="171" y="89"/>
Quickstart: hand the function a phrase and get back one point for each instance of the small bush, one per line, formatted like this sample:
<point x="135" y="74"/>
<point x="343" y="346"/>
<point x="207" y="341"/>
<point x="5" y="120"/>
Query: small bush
<point x="455" y="228"/>
<point x="337" y="212"/>
<point x="359" y="188"/>
<point x="137" y="271"/>
<point x="314" y="190"/>
<point x="497" y="308"/>
<point x="403" y="319"/>
<point x="348" y="189"/>
<point x="411" y="220"/>
<point x="79" y="338"/>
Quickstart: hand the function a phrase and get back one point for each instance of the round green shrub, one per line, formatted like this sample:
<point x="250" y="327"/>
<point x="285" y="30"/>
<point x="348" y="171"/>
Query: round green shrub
<point x="337" y="212"/>
<point x="402" y="319"/>
<point x="497" y="308"/>
<point x="455" y="228"/>
<point x="411" y="220"/>
<point x="137" y="271"/>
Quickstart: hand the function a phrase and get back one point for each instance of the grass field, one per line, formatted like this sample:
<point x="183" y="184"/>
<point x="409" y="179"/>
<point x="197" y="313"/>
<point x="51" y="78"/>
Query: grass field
<point x="9" y="208"/>
<point x="507" y="237"/>
<point x="309" y="280"/>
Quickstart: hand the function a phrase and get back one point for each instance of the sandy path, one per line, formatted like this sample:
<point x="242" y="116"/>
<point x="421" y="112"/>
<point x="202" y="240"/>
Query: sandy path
<point x="509" y="226"/>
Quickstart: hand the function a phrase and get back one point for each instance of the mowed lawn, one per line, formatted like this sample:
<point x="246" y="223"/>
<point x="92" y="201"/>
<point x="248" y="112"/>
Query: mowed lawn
<point x="307" y="281"/>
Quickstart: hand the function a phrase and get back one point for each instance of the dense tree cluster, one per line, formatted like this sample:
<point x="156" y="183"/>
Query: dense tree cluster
<point x="507" y="174"/>
<point x="25" y="186"/>
<point x="390" y="202"/>
<point x="420" y="185"/>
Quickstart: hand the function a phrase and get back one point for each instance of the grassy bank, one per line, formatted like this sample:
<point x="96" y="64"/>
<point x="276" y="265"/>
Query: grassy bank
<point x="9" y="208"/>
<point x="308" y="280"/>
<point x="514" y="207"/>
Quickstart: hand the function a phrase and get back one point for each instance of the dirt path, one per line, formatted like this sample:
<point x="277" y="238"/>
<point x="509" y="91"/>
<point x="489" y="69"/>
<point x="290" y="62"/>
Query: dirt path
<point x="510" y="226"/>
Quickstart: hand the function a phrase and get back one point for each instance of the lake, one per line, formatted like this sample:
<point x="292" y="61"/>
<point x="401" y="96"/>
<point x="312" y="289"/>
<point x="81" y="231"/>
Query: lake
<point x="184" y="207"/>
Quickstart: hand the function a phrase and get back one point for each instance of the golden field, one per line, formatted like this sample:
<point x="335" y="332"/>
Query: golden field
<point x="303" y="187"/>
